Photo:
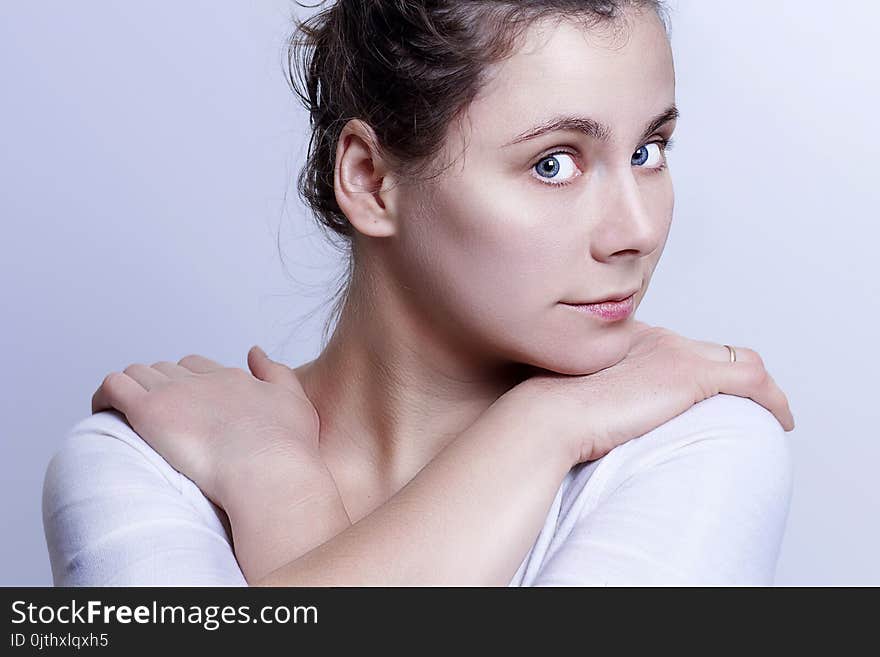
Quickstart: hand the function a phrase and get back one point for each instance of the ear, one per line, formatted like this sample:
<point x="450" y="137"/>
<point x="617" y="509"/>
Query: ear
<point x="364" y="183"/>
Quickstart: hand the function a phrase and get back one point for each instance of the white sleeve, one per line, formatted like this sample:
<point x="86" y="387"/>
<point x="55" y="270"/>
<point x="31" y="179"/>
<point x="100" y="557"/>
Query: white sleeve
<point x="115" y="513"/>
<point x="701" y="500"/>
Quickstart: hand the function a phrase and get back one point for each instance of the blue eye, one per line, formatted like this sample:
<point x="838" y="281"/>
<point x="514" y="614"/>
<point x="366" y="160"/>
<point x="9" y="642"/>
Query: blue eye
<point x="646" y="154"/>
<point x="555" y="170"/>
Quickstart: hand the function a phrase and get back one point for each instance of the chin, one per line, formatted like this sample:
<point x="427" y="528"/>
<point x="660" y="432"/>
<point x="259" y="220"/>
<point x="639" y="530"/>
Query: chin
<point x="587" y="355"/>
<point x="583" y="369"/>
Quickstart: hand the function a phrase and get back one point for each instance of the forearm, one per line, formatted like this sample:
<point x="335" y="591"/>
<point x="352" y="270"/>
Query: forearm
<point x="280" y="518"/>
<point x="467" y="518"/>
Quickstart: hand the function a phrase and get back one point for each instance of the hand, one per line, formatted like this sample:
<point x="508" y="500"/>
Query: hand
<point x="208" y="421"/>
<point x="661" y="376"/>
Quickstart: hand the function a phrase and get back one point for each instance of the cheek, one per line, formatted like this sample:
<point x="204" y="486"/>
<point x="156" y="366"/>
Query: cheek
<point x="491" y="268"/>
<point x="487" y="254"/>
<point x="665" y="203"/>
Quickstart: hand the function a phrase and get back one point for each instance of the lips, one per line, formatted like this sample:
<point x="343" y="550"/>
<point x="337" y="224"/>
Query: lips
<point x="611" y="311"/>
<point x="609" y="299"/>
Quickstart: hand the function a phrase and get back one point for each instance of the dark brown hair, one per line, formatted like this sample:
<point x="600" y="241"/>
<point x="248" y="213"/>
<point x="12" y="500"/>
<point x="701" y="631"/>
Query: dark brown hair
<point x="408" y="68"/>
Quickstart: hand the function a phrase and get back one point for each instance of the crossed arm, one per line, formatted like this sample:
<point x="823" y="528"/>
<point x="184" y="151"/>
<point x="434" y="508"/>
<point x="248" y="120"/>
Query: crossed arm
<point x="701" y="499"/>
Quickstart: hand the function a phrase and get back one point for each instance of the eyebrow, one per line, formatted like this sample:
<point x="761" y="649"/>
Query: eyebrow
<point x="590" y="127"/>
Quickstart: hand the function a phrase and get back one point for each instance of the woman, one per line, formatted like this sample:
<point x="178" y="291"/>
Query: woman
<point x="497" y="169"/>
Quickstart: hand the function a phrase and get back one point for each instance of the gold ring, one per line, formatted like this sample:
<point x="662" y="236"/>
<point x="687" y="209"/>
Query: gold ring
<point x="732" y="353"/>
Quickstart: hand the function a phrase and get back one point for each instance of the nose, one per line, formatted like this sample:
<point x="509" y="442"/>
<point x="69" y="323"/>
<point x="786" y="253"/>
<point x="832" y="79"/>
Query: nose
<point x="627" y="226"/>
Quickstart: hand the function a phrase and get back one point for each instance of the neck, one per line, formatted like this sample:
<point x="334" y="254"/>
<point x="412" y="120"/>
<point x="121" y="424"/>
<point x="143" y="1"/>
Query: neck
<point x="392" y="391"/>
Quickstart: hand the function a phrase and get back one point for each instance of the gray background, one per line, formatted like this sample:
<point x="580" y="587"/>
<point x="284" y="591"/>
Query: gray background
<point x="148" y="153"/>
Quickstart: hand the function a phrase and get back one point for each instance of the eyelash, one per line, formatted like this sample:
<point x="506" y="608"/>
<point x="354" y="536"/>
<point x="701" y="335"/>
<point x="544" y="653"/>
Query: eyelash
<point x="665" y="145"/>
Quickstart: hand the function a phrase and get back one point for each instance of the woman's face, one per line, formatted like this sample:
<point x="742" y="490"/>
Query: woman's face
<point x="496" y="244"/>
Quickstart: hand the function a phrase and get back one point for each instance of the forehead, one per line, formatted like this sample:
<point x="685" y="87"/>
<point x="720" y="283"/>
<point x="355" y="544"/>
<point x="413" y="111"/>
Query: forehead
<point x="620" y="74"/>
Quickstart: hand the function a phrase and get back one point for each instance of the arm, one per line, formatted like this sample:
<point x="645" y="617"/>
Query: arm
<point x="267" y="534"/>
<point x="503" y="471"/>
<point x="467" y="518"/>
<point x="115" y="513"/>
<point x="450" y="501"/>
<point x="701" y="500"/>
<point x="255" y="435"/>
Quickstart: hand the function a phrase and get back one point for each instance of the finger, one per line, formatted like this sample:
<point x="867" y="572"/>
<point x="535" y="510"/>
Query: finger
<point x="200" y="364"/>
<point x="751" y="380"/>
<point x="119" y="391"/>
<point x="781" y="401"/>
<point x="773" y="396"/>
<point x="639" y="327"/>
<point x="718" y="352"/>
<point x="146" y="376"/>
<point x="776" y="402"/>
<point x="266" y="369"/>
<point x="172" y="370"/>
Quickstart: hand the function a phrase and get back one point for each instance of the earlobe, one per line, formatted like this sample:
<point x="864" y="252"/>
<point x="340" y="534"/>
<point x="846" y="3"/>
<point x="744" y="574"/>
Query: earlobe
<point x="362" y="183"/>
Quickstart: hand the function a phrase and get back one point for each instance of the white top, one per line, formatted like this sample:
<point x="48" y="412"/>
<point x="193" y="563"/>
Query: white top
<point x="700" y="500"/>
